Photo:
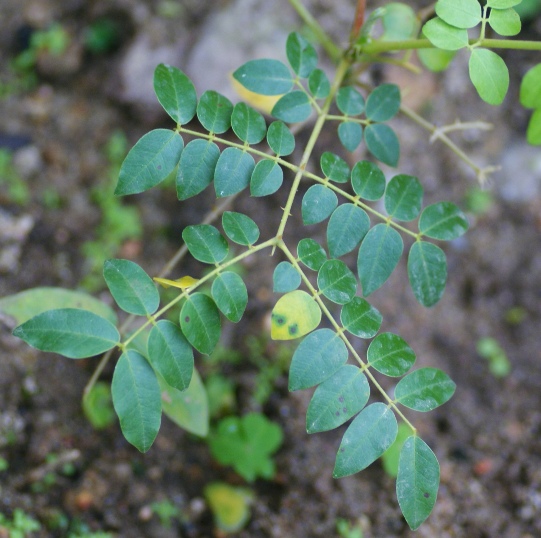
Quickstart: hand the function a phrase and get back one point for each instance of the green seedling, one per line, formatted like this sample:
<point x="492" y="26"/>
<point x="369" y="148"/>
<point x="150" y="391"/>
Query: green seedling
<point x="370" y="224"/>
<point x="11" y="182"/>
<point x="21" y="525"/>
<point x="230" y="506"/>
<point x="247" y="444"/>
<point x="347" y="530"/>
<point x="166" y="512"/>
<point x="498" y="363"/>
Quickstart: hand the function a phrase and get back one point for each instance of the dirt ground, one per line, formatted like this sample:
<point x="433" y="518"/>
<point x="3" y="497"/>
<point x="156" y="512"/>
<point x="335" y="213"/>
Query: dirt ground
<point x="487" y="438"/>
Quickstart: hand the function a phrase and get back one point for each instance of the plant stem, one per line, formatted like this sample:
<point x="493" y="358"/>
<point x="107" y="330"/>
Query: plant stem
<point x="327" y="43"/>
<point x="358" y="21"/>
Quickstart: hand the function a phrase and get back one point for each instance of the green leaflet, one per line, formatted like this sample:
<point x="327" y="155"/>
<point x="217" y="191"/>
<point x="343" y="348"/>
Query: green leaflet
<point x="390" y="355"/>
<point x="370" y="434"/>
<point x="505" y="22"/>
<point x="312" y="254"/>
<point x="350" y="134"/>
<point x="399" y="22"/>
<point x="74" y="333"/>
<point x="383" y="103"/>
<point x="360" y="318"/>
<point x="436" y="60"/>
<point x="379" y="254"/>
<point x="403" y="197"/>
<point x="170" y="354"/>
<point x="350" y="101"/>
<point x="196" y="168"/>
<point x="200" y="322"/>
<point x="137" y="399"/>
<point x="266" y="179"/>
<point x="295" y="314"/>
<point x="502" y="4"/>
<point x="334" y="167"/>
<point x="285" y="278"/>
<point x="293" y="107"/>
<point x="149" y="162"/>
<point x="233" y="172"/>
<point x="266" y="77"/>
<point x="280" y="138"/>
<point x="368" y="181"/>
<point x="248" y="124"/>
<point x="530" y="88"/>
<point x="444" y="36"/>
<point x="240" y="228"/>
<point x="337" y="399"/>
<point x="391" y="456"/>
<point x="424" y="389"/>
<point x="301" y="55"/>
<point x="316" y="358"/>
<point x="317" y="204"/>
<point x="214" y="112"/>
<point x="337" y="282"/>
<point x="175" y="92"/>
<point x="318" y="84"/>
<point x="533" y="134"/>
<point x="132" y="289"/>
<point x="459" y="13"/>
<point x="230" y="295"/>
<point x="443" y="220"/>
<point x="489" y="75"/>
<point x="347" y="227"/>
<point x="188" y="408"/>
<point x="427" y="272"/>
<point x="382" y="143"/>
<point x="205" y="243"/>
<point x="417" y="482"/>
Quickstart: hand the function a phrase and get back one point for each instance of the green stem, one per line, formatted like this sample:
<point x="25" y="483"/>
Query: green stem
<point x="327" y="43"/>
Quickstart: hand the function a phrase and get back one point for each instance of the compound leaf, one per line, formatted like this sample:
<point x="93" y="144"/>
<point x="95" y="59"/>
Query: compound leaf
<point x="489" y="75"/>
<point x="214" y="112"/>
<point x="390" y="355"/>
<point x="196" y="168"/>
<point x="334" y="167"/>
<point x="360" y="318"/>
<point x="266" y="77"/>
<point x="443" y="220"/>
<point x="337" y="282"/>
<point x="370" y="434"/>
<point x="175" y="92"/>
<point x="444" y="36"/>
<point x="382" y="143"/>
<point x="337" y="399"/>
<point x="427" y="272"/>
<point x="301" y="55"/>
<point x="312" y="254"/>
<point x="137" y="399"/>
<point x="293" y="107"/>
<point x="280" y="138"/>
<point x="170" y="354"/>
<point x="378" y="256"/>
<point x="318" y="84"/>
<point x="417" y="481"/>
<point x="317" y="204"/>
<point x="530" y="88"/>
<point x="350" y="134"/>
<point x="316" y="358"/>
<point x="200" y="322"/>
<point x="505" y="21"/>
<point x="424" y="389"/>
<point x="240" y="228"/>
<point x="233" y="172"/>
<point x="74" y="333"/>
<point x="149" y="162"/>
<point x="248" y="124"/>
<point x="205" y="243"/>
<point x="459" y="13"/>
<point x="347" y="227"/>
<point x="295" y="314"/>
<point x="403" y="197"/>
<point x="285" y="278"/>
<point x="266" y="179"/>
<point x="132" y="289"/>
<point x="383" y="103"/>
<point x="230" y="295"/>
<point x="368" y="181"/>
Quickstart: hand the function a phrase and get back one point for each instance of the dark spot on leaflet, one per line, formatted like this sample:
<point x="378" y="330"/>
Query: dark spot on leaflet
<point x="341" y="399"/>
<point x="159" y="167"/>
<point x="293" y="329"/>
<point x="345" y="409"/>
<point x="342" y="450"/>
<point x="337" y="413"/>
<point x="279" y="320"/>
<point x="426" y="495"/>
<point x="187" y="319"/>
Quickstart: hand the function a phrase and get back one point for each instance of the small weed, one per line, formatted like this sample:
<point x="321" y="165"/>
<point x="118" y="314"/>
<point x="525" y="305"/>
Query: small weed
<point x="20" y="525"/>
<point x="166" y="511"/>
<point x="347" y="530"/>
<point x="11" y="183"/>
<point x="498" y="363"/>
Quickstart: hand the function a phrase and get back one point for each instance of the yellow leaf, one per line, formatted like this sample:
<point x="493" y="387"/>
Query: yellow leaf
<point x="182" y="283"/>
<point x="265" y="103"/>
<point x="294" y="315"/>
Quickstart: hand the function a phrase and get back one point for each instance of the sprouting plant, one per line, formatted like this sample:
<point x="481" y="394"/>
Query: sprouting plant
<point x="11" y="182"/>
<point x="370" y="221"/>
<point x="166" y="511"/>
<point x="498" y="363"/>
<point x="346" y="530"/>
<point x="20" y="525"/>
<point x="230" y="505"/>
